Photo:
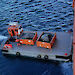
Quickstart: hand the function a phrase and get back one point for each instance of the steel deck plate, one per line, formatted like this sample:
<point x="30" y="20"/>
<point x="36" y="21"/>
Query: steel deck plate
<point x="62" y="45"/>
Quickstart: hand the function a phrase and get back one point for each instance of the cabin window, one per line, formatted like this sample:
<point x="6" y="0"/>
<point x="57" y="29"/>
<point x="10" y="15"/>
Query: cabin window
<point x="9" y="30"/>
<point x="16" y="30"/>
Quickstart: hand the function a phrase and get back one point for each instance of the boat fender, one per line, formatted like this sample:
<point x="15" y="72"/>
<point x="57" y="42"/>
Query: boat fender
<point x="39" y="56"/>
<point x="17" y="53"/>
<point x="46" y="57"/>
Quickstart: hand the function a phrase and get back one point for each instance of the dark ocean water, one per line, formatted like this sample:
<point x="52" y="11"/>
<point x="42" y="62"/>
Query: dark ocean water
<point x="35" y="15"/>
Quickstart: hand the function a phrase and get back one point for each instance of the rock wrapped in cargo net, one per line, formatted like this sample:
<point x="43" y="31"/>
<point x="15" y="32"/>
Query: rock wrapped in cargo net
<point x="46" y="37"/>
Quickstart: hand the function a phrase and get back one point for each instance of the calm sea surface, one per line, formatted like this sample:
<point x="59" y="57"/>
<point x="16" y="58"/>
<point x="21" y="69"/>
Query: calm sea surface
<point x="35" y="15"/>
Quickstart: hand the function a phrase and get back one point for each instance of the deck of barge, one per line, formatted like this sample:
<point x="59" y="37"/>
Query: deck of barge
<point x="61" y="46"/>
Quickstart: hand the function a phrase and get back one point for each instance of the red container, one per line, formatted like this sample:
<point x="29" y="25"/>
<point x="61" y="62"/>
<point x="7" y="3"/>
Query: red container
<point x="46" y="44"/>
<point x="29" y="41"/>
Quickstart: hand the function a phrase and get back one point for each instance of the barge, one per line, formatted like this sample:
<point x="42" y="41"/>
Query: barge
<point x="41" y="44"/>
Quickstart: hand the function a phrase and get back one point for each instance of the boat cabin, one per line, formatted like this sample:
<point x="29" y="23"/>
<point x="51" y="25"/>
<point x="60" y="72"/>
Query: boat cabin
<point x="14" y="29"/>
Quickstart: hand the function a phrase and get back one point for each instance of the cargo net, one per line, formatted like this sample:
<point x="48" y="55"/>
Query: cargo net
<point x="46" y="37"/>
<point x="29" y="36"/>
